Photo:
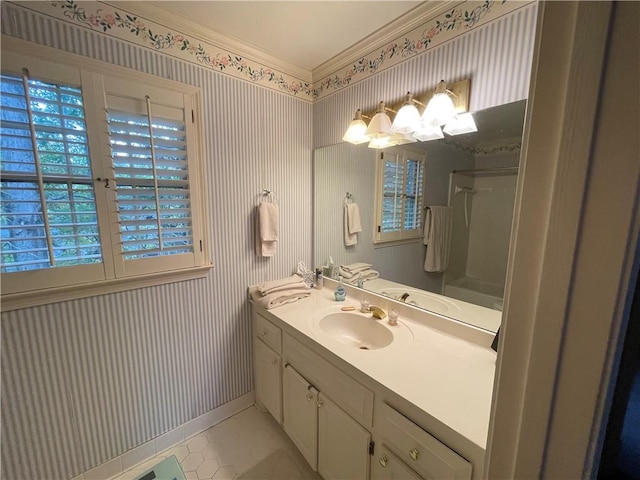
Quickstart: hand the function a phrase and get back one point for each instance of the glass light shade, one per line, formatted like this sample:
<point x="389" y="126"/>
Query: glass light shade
<point x="382" y="142"/>
<point x="428" y="132"/>
<point x="407" y="118"/>
<point x="463" y="124"/>
<point x="440" y="110"/>
<point x="380" y="125"/>
<point x="356" y="132"/>
<point x="402" y="138"/>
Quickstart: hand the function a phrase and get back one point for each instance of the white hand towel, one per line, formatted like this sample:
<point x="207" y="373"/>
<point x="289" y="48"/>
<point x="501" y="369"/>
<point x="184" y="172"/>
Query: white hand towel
<point x="349" y="238"/>
<point x="437" y="238"/>
<point x="290" y="282"/>
<point x="353" y="218"/>
<point x="276" y="299"/>
<point x="263" y="248"/>
<point x="269" y="217"/>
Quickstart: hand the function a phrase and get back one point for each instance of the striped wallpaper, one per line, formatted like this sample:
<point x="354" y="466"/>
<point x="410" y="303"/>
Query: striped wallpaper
<point x="86" y="380"/>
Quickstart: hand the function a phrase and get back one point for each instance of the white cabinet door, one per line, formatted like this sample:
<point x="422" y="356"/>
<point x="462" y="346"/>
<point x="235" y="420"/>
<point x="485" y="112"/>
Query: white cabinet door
<point x="300" y="412"/>
<point x="343" y="445"/>
<point x="268" y="379"/>
<point x="386" y="466"/>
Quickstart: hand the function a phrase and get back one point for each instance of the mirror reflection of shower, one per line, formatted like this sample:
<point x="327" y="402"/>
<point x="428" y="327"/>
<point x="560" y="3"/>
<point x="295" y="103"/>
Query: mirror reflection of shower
<point x="482" y="201"/>
<point x="467" y="191"/>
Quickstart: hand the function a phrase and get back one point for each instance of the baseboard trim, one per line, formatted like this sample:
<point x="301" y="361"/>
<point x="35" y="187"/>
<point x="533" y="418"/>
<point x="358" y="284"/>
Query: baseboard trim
<point x="159" y="444"/>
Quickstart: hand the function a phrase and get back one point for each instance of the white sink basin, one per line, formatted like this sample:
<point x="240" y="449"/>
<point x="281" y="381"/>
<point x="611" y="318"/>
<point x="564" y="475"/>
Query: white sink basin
<point x="355" y="330"/>
<point x="426" y="300"/>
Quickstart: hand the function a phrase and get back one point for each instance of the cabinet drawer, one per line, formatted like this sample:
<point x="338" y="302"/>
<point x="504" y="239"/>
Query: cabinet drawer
<point x="422" y="452"/>
<point x="351" y="396"/>
<point x="268" y="333"/>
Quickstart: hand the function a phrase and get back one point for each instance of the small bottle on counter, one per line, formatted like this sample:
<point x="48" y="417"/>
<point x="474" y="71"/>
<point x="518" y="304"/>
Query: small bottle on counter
<point x="340" y="293"/>
<point x="393" y="318"/>
<point x="319" y="279"/>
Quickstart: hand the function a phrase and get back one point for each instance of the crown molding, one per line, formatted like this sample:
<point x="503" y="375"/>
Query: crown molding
<point x="390" y="32"/>
<point x="152" y="12"/>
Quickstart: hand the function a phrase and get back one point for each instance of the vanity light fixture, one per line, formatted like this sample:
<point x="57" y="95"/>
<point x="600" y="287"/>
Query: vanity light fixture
<point x="356" y="132"/>
<point x="445" y="110"/>
<point x="408" y="116"/>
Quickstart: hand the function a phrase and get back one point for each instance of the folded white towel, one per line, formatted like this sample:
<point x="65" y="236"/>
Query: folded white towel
<point x="280" y="298"/>
<point x="437" y="238"/>
<point x="347" y="274"/>
<point x="293" y="281"/>
<point x="363" y="275"/>
<point x="356" y="267"/>
<point x="353" y="218"/>
<point x="349" y="238"/>
<point x="269" y="217"/>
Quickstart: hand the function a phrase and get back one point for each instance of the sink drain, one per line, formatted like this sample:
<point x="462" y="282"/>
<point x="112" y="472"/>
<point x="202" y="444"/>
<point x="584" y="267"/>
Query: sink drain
<point x="363" y="347"/>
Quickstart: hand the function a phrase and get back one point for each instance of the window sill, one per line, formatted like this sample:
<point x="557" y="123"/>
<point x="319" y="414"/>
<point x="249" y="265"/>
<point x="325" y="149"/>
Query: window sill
<point x="393" y="243"/>
<point x="16" y="301"/>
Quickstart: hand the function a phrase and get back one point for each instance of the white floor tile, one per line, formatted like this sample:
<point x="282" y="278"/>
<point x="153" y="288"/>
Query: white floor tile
<point x="243" y="443"/>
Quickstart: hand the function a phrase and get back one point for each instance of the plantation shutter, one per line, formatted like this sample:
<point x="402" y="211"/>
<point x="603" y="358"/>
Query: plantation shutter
<point x="413" y="195"/>
<point x="150" y="146"/>
<point x="393" y="173"/>
<point x="48" y="210"/>
<point x="400" y="195"/>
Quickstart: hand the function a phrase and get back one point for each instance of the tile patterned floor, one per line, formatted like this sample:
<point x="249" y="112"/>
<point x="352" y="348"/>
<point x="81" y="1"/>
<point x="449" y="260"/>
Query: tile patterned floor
<point x="248" y="445"/>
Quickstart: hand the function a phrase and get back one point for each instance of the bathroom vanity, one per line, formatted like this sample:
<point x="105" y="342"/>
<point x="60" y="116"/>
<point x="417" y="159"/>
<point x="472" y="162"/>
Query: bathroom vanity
<point x="363" y="399"/>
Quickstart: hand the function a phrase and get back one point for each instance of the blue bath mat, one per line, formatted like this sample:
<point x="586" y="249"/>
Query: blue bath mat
<point x="168" y="469"/>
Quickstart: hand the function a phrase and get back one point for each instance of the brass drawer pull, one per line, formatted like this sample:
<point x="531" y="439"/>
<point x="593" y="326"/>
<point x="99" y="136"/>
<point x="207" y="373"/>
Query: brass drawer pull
<point x="383" y="461"/>
<point x="414" y="453"/>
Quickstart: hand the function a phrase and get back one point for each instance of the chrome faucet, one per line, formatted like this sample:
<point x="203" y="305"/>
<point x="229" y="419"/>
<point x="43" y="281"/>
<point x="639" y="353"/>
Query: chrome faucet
<point x="403" y="297"/>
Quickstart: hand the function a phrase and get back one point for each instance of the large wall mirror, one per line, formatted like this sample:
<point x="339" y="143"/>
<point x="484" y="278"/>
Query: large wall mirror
<point x="474" y="175"/>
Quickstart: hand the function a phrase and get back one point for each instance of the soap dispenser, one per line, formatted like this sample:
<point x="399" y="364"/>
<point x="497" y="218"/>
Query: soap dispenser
<point x="340" y="293"/>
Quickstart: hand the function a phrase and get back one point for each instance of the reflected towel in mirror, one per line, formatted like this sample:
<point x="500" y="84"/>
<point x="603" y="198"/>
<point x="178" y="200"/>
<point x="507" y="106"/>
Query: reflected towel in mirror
<point x="437" y="238"/>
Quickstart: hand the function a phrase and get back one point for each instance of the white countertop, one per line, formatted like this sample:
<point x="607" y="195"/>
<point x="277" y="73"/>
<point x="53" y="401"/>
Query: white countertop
<point x="444" y="375"/>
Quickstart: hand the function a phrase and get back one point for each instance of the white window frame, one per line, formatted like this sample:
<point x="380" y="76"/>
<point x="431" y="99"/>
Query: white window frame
<point x="402" y="236"/>
<point x="29" y="288"/>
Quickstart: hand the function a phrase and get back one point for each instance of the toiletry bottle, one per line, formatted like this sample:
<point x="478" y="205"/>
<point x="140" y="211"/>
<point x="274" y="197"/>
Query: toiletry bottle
<point x="332" y="272"/>
<point x="340" y="293"/>
<point x="319" y="278"/>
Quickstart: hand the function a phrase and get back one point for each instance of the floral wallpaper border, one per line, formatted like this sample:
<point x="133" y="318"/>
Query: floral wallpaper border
<point x="489" y="150"/>
<point x="118" y="23"/>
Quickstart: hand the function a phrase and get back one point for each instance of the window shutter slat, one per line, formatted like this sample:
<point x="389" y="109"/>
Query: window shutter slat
<point x="152" y="178"/>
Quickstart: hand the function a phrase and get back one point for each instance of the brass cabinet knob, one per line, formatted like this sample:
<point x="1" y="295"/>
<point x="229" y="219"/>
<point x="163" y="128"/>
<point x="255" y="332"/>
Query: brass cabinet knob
<point x="414" y="453"/>
<point x="320" y="403"/>
<point x="274" y="361"/>
<point x="309" y="396"/>
<point x="264" y="334"/>
<point x="383" y="461"/>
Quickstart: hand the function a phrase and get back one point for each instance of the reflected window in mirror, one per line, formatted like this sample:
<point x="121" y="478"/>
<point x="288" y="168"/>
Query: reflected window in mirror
<point x="400" y="180"/>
